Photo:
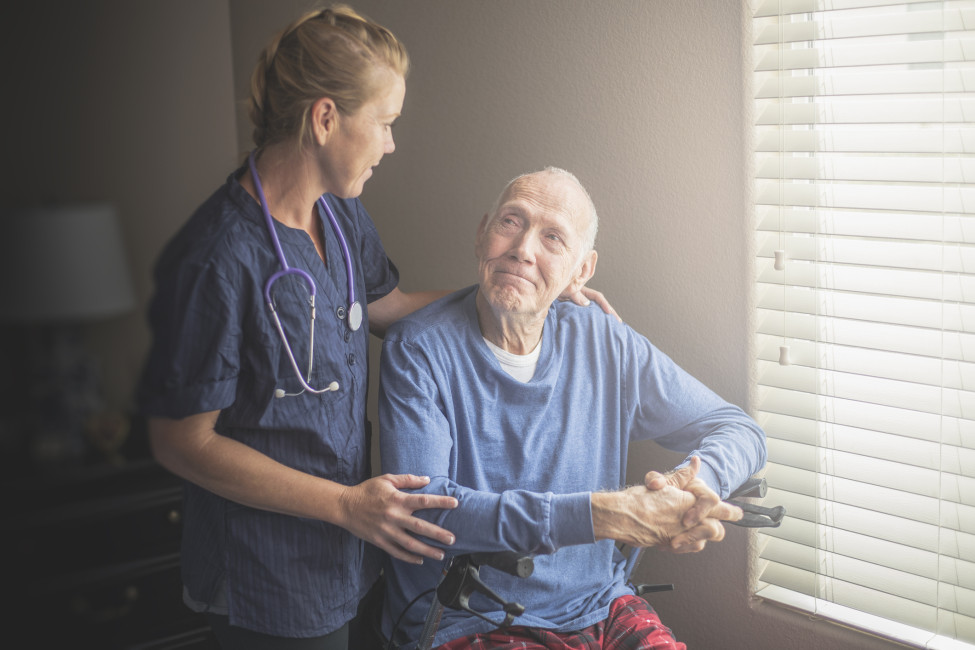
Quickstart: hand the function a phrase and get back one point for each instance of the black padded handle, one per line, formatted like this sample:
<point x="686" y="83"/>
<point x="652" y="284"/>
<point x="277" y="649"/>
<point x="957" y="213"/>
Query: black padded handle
<point x="512" y="563"/>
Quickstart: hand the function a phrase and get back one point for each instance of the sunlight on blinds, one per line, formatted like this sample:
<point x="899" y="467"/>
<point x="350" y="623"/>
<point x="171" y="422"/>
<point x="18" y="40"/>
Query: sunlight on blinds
<point x="865" y="188"/>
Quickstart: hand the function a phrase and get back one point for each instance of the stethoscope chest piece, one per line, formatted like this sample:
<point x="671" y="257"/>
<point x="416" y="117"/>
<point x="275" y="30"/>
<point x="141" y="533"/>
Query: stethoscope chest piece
<point x="355" y="316"/>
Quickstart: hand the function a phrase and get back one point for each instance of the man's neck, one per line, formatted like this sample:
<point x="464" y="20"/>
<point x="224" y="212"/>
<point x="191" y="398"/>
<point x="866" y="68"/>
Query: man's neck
<point x="514" y="333"/>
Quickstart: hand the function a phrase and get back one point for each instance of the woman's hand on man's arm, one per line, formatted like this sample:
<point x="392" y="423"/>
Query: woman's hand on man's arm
<point x="376" y="510"/>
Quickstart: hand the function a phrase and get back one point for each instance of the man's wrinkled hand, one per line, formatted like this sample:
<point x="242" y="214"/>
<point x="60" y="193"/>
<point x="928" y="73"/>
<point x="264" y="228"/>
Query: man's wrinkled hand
<point x="641" y="517"/>
<point x="702" y="519"/>
<point x="705" y="499"/>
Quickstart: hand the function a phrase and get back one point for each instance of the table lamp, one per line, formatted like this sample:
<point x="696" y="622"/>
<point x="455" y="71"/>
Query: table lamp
<point x="61" y="268"/>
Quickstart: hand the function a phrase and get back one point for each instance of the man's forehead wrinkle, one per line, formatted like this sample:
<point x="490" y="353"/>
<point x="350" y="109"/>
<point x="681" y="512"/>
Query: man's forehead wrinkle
<point x="552" y="200"/>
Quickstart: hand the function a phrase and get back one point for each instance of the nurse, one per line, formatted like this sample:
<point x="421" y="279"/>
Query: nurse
<point x="279" y="497"/>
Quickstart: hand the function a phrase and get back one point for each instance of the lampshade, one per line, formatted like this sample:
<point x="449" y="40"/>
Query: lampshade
<point x="64" y="263"/>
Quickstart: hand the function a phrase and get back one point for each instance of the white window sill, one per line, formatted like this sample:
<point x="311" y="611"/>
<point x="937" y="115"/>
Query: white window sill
<point x="851" y="618"/>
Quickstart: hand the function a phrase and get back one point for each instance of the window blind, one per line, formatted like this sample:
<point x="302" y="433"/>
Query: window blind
<point x="865" y="205"/>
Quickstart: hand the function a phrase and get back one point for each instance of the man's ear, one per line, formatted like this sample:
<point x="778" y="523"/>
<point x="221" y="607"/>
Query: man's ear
<point x="324" y="119"/>
<point x="480" y="235"/>
<point x="587" y="268"/>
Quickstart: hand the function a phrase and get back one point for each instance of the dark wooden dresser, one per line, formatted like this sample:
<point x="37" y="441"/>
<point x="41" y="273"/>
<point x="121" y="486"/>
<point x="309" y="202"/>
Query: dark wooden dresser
<point x="92" y="557"/>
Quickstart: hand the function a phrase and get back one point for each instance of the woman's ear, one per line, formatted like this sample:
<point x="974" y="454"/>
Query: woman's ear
<point x="324" y="119"/>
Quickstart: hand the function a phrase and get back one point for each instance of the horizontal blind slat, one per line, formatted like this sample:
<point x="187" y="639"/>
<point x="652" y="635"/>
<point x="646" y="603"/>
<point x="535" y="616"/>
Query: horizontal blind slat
<point x="916" y="312"/>
<point x="776" y="7"/>
<point x="892" y="254"/>
<point x="773" y="58"/>
<point x="866" y="137"/>
<point x="873" y="82"/>
<point x="884" y="282"/>
<point x="889" y="225"/>
<point x="919" y="197"/>
<point x="878" y="111"/>
<point x="898" y="169"/>
<point x="839" y="25"/>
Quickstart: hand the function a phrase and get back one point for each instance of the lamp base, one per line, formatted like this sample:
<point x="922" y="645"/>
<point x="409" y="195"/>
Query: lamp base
<point x="64" y="394"/>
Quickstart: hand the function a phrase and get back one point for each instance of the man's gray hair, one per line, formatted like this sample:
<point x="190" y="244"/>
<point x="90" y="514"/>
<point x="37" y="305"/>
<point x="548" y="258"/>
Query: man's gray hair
<point x="590" y="239"/>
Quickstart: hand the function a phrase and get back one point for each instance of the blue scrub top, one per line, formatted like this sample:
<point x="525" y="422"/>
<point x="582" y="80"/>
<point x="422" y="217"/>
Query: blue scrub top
<point x="215" y="347"/>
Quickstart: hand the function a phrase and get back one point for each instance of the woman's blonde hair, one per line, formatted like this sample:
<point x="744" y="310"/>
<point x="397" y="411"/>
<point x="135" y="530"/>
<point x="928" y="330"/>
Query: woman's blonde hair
<point x="334" y="53"/>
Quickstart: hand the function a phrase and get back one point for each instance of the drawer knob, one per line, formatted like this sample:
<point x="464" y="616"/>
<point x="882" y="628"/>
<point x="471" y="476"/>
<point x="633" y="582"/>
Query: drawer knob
<point x="174" y="516"/>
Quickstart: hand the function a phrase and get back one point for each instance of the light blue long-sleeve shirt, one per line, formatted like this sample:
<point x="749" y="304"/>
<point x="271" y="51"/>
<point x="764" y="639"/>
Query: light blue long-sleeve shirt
<point x="523" y="458"/>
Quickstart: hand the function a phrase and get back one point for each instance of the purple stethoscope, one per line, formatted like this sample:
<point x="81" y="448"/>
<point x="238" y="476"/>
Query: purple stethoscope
<point x="354" y="313"/>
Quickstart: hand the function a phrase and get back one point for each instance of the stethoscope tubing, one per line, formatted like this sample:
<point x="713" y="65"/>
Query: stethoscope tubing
<point x="353" y="317"/>
<point x="286" y="269"/>
<point x="269" y="221"/>
<point x="346" y="256"/>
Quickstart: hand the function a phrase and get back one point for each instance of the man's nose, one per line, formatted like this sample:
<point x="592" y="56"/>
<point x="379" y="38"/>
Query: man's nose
<point x="523" y="247"/>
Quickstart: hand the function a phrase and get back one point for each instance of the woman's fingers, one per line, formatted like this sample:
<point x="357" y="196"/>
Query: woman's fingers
<point x="432" y="531"/>
<point x="598" y="298"/>
<point x="409" y="549"/>
<point x="406" y="481"/>
<point x="414" y="502"/>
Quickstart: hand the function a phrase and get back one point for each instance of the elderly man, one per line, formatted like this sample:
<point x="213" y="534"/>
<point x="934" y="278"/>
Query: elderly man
<point x="523" y="409"/>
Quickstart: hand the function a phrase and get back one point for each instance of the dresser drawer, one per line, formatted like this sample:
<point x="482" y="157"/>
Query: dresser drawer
<point x="93" y="560"/>
<point x="105" y="531"/>
<point x="122" y="606"/>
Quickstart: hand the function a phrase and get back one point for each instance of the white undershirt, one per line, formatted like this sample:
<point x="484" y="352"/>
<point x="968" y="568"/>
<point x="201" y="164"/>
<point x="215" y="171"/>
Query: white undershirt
<point x="519" y="366"/>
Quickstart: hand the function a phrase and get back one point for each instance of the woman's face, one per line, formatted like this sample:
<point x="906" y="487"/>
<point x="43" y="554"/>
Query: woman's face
<point x="363" y="138"/>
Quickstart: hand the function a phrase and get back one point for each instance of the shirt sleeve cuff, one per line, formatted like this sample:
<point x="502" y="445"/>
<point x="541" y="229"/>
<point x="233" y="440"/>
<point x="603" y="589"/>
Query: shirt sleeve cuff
<point x="710" y="477"/>
<point x="571" y="519"/>
<point x="189" y="400"/>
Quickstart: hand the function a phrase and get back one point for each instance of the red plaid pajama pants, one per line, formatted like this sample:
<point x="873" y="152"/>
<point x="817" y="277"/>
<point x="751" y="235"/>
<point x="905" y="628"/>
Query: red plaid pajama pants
<point x="631" y="625"/>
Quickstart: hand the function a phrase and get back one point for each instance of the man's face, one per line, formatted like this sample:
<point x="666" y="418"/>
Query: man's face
<point x="531" y="248"/>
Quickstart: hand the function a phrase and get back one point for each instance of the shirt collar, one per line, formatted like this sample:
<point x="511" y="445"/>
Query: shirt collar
<point x="249" y="206"/>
